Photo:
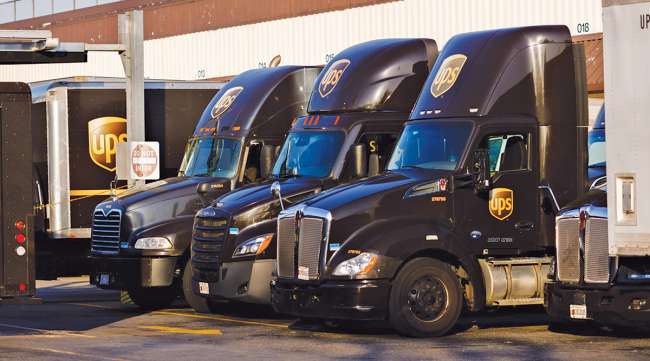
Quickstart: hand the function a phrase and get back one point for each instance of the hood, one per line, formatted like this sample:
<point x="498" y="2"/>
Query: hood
<point x="163" y="190"/>
<point x="375" y="193"/>
<point x="596" y="197"/>
<point x="251" y="196"/>
<point x="166" y="201"/>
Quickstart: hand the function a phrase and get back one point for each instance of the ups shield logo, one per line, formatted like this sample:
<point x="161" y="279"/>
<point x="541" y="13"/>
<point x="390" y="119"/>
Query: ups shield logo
<point x="332" y="77"/>
<point x="447" y="74"/>
<point x="501" y="203"/>
<point x="103" y="135"/>
<point x="226" y="100"/>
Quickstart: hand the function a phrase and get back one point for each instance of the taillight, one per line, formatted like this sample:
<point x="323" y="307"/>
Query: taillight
<point x="20" y="225"/>
<point x="20" y="237"/>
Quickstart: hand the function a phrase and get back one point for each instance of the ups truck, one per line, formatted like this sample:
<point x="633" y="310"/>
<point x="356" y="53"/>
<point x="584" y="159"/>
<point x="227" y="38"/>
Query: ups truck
<point x="463" y="216"/>
<point x="140" y="238"/>
<point x="76" y="125"/>
<point x="602" y="268"/>
<point x="354" y="117"/>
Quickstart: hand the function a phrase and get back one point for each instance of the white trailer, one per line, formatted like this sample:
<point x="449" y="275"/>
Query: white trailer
<point x="602" y="271"/>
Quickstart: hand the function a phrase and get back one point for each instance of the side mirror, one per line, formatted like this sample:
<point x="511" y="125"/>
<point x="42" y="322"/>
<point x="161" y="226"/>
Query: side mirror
<point x="276" y="192"/>
<point x="482" y="170"/>
<point x="208" y="191"/>
<point x="267" y="155"/>
<point x="358" y="161"/>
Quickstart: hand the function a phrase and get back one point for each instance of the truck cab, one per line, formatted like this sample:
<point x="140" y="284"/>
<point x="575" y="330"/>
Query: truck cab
<point x="140" y="238"/>
<point x="463" y="215"/>
<point x="355" y="114"/>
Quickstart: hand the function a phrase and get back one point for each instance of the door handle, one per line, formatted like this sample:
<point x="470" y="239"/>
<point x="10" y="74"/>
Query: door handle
<point x="524" y="226"/>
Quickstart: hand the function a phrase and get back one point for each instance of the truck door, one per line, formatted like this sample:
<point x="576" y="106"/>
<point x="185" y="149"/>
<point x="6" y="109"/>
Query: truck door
<point x="502" y="220"/>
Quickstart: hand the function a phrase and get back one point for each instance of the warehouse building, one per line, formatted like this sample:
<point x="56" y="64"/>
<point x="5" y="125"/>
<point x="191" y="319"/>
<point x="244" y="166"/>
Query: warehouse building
<point x="201" y="39"/>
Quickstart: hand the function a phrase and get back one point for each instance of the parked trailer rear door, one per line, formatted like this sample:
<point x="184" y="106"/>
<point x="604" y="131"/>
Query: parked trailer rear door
<point x="16" y="192"/>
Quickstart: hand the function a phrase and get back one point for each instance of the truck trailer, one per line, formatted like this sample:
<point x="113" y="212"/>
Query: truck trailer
<point x="602" y="268"/>
<point x="463" y="216"/>
<point x="354" y="118"/>
<point x="140" y="238"/>
<point x="17" y="267"/>
<point x="76" y="125"/>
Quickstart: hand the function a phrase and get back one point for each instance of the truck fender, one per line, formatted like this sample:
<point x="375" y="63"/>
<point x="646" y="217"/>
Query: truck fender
<point x="178" y="231"/>
<point x="404" y="238"/>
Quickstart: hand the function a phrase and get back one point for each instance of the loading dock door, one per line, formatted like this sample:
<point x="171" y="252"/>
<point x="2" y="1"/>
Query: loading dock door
<point x="16" y="192"/>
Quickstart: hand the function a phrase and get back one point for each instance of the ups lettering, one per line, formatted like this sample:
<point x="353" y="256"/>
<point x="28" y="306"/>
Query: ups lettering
<point x="105" y="145"/>
<point x="499" y="205"/>
<point x="333" y="77"/>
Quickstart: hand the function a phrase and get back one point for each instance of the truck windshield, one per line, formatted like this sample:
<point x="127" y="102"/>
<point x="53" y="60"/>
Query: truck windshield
<point x="308" y="154"/>
<point x="214" y="157"/>
<point x="597" y="148"/>
<point x="431" y="145"/>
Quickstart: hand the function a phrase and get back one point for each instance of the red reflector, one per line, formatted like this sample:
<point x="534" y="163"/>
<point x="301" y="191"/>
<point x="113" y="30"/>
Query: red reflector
<point x="20" y="225"/>
<point x="22" y="287"/>
<point x="20" y="238"/>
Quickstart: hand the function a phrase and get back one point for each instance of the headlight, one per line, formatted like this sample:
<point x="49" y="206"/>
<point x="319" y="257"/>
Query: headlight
<point x="253" y="246"/>
<point x="153" y="243"/>
<point x="359" y="265"/>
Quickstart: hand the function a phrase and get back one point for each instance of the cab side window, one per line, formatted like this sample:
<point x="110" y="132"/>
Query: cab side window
<point x="251" y="170"/>
<point x="379" y="147"/>
<point x="506" y="152"/>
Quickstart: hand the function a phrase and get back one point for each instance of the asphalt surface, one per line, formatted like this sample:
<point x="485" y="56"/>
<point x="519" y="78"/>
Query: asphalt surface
<point x="78" y="322"/>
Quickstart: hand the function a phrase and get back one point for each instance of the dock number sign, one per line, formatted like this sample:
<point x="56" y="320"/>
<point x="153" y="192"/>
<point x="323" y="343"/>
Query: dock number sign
<point x="447" y="74"/>
<point x="331" y="79"/>
<point x="103" y="135"/>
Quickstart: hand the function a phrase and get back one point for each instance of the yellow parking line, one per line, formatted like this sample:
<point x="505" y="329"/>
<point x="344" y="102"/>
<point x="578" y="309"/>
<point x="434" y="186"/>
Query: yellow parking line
<point x="225" y="319"/>
<point x="166" y="329"/>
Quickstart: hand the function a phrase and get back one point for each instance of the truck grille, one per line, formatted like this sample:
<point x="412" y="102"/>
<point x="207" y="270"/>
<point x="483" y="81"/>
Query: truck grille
<point x="568" y="249"/>
<point x="208" y="237"/>
<point x="286" y="247"/>
<point x="309" y="246"/>
<point x="596" y="251"/>
<point x="300" y="255"/>
<point x="105" y="232"/>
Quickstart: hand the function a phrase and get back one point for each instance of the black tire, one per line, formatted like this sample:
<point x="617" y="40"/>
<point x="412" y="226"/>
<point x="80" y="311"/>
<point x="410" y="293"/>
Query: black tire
<point x="153" y="298"/>
<point x="198" y="303"/>
<point x="426" y="299"/>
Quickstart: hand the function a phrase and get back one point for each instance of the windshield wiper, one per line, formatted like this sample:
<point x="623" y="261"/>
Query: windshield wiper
<point x="412" y="166"/>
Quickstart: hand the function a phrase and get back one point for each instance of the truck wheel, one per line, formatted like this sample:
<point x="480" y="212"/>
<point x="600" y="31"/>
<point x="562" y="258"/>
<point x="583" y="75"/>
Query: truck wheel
<point x="198" y="303"/>
<point x="425" y="299"/>
<point x="152" y="298"/>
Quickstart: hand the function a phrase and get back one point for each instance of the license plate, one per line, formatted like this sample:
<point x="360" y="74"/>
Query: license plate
<point x="303" y="273"/>
<point x="204" y="288"/>
<point x="578" y="311"/>
<point x="104" y="279"/>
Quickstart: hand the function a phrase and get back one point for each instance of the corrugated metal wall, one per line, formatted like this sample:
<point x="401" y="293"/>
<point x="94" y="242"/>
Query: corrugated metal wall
<point x="311" y="39"/>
